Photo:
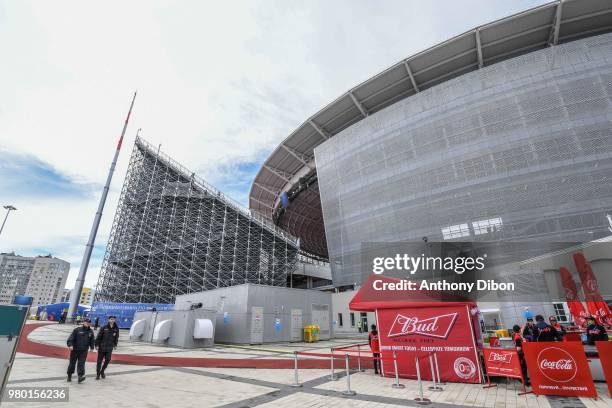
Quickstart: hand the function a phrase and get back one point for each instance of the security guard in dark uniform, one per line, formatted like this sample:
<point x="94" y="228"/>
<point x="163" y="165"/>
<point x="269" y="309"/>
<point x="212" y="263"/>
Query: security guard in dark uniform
<point x="106" y="342"/>
<point x="81" y="339"/>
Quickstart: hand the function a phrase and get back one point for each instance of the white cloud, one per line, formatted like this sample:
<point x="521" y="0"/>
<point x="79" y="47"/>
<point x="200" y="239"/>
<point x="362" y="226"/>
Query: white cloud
<point x="220" y="83"/>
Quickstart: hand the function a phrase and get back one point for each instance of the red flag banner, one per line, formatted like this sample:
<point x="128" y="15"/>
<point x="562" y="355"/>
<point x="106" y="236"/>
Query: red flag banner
<point x="502" y="363"/>
<point x="595" y="303"/>
<point x="571" y="296"/>
<point x="604" y="349"/>
<point x="559" y="369"/>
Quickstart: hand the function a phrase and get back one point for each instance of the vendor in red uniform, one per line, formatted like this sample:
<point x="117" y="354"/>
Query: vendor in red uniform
<point x="554" y="323"/>
<point x="518" y="343"/>
<point x="375" y="347"/>
<point x="595" y="332"/>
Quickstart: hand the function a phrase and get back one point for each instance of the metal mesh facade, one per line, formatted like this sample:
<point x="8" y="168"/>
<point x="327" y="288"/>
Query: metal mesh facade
<point x="174" y="234"/>
<point x="519" y="150"/>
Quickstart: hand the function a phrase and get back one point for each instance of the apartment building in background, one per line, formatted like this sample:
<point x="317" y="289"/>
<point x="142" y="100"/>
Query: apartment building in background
<point x="87" y="296"/>
<point x="65" y="295"/>
<point x="42" y="277"/>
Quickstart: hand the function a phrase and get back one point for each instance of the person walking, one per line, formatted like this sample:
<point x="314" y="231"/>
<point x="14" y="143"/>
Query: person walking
<point x="96" y="323"/>
<point x="546" y="332"/>
<point x="78" y="319"/>
<point x="375" y="347"/>
<point x="595" y="332"/>
<point x="359" y="326"/>
<point x="106" y="341"/>
<point x="81" y="339"/>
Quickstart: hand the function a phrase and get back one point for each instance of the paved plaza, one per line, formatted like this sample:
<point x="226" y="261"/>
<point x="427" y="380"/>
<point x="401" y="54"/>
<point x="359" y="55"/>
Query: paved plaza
<point x="157" y="386"/>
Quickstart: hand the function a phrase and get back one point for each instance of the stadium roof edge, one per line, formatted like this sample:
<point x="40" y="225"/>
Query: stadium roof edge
<point x="530" y="30"/>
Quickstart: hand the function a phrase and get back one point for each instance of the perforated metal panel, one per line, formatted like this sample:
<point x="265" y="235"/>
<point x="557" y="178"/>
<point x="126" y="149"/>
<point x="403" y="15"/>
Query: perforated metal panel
<point x="320" y="317"/>
<point x="524" y="145"/>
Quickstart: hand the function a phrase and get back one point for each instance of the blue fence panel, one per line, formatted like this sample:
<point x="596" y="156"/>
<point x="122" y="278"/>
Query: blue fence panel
<point x="54" y="310"/>
<point x="123" y="311"/>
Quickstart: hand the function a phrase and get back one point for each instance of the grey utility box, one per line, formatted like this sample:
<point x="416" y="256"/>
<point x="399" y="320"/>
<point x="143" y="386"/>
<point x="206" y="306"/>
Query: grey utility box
<point x="255" y="314"/>
<point x="179" y="328"/>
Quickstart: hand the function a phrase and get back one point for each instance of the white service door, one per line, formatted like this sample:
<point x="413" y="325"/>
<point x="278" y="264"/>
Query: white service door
<point x="297" y="328"/>
<point x="257" y="324"/>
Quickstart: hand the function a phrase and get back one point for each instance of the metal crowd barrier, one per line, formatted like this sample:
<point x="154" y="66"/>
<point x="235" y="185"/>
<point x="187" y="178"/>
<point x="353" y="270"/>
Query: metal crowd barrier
<point x="434" y="369"/>
<point x="420" y="398"/>
<point x="346" y="357"/>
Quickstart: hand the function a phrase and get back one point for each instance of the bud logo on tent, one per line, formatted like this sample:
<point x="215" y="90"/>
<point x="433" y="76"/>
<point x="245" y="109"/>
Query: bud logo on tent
<point x="438" y="326"/>
<point x="557" y="364"/>
<point x="505" y="358"/>
<point x="464" y="367"/>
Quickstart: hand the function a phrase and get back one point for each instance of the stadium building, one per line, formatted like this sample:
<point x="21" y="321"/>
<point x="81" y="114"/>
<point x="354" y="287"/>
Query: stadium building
<point x="501" y="133"/>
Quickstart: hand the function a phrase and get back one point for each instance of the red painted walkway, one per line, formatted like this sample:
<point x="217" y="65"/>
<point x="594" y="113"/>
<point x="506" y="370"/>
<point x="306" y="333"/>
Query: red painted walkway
<point x="47" y="350"/>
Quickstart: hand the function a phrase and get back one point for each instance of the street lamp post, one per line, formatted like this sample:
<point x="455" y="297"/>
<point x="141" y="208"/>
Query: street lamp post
<point x="8" y="209"/>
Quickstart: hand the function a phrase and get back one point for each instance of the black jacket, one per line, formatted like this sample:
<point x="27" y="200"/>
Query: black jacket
<point x="560" y="329"/>
<point x="81" y="338"/>
<point x="107" y="337"/>
<point x="546" y="332"/>
<point x="530" y="333"/>
<point x="595" y="333"/>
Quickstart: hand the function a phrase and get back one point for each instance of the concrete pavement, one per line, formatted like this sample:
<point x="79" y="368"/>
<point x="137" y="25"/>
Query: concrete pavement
<point x="154" y="386"/>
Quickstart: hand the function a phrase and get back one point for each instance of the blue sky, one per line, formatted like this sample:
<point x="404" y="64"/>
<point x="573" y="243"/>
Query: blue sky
<point x="26" y="176"/>
<point x="220" y="85"/>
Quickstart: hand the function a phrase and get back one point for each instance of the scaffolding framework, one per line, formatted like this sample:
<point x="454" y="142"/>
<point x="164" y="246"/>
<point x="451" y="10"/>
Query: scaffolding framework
<point x="173" y="233"/>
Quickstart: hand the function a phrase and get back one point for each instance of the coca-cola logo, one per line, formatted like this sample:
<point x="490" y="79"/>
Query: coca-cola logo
<point x="437" y="326"/>
<point x="581" y="318"/>
<point x="602" y="313"/>
<point x="496" y="357"/>
<point x="592" y="285"/>
<point x="464" y="368"/>
<point x="557" y="365"/>
<point x="570" y="294"/>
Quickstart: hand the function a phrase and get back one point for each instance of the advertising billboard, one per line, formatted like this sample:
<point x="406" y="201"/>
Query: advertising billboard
<point x="559" y="368"/>
<point x="415" y="332"/>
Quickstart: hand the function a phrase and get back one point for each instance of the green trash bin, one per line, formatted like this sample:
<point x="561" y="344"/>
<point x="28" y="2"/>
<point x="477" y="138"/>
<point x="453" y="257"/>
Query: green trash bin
<point x="308" y="334"/>
<point x="315" y="332"/>
<point x="311" y="333"/>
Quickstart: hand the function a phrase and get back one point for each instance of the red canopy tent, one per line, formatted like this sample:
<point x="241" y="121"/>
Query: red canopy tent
<point x="420" y="323"/>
